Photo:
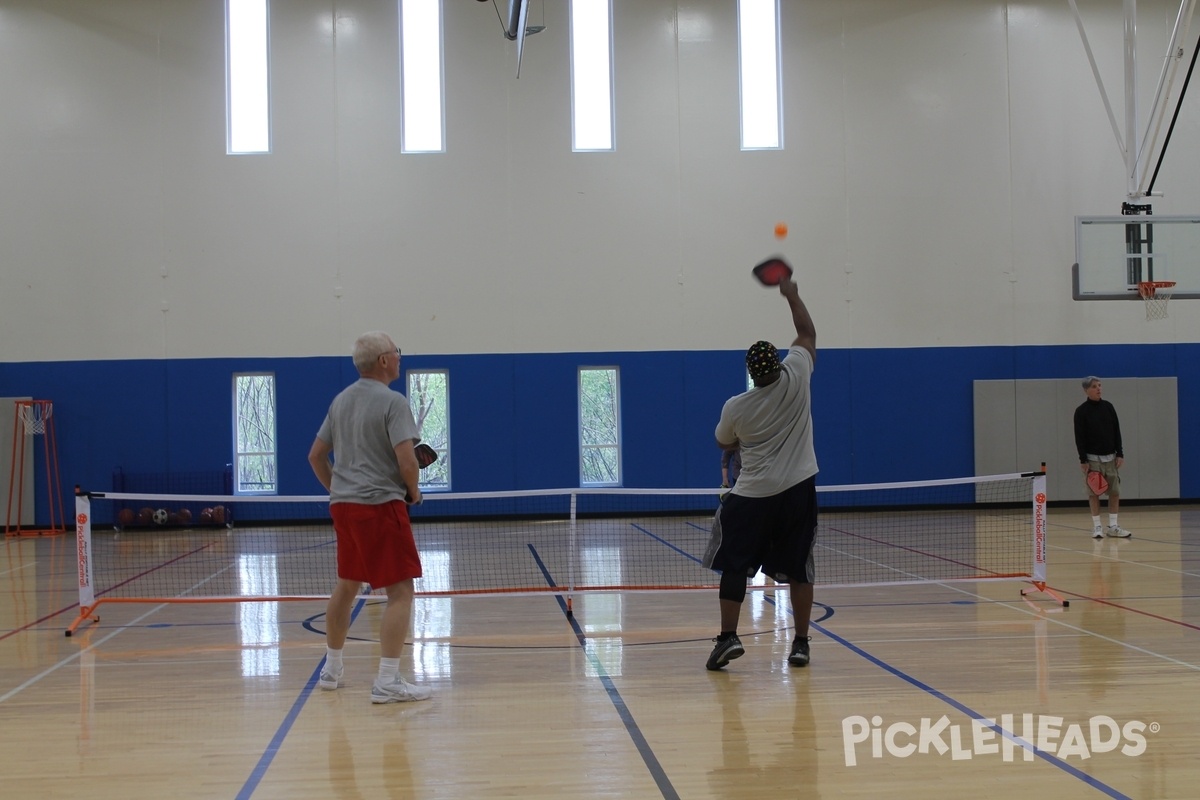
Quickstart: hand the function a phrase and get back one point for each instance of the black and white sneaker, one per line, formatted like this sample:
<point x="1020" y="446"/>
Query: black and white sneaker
<point x="799" y="656"/>
<point x="727" y="650"/>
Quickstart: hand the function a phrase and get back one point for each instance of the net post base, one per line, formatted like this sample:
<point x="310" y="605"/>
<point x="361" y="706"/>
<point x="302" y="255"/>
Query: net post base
<point x="87" y="615"/>
<point x="1040" y="587"/>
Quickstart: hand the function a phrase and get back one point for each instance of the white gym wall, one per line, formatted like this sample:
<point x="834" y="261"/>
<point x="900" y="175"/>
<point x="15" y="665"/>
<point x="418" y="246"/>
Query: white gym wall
<point x="936" y="154"/>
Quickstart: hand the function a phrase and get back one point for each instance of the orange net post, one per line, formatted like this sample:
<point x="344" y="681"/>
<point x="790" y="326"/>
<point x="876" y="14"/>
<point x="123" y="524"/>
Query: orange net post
<point x="34" y="418"/>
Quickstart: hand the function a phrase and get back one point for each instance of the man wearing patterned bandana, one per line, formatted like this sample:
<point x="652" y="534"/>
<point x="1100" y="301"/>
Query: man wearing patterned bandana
<point x="769" y="519"/>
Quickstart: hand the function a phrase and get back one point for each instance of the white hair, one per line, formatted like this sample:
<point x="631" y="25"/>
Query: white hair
<point x="369" y="347"/>
<point x="1090" y="381"/>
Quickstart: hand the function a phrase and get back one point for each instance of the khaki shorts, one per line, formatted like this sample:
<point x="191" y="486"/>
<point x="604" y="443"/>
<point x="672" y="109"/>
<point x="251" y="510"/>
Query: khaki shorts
<point x="1109" y="470"/>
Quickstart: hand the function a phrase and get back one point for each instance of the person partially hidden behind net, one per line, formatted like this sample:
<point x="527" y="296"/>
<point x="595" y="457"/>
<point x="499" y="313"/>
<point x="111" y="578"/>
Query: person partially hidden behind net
<point x="1098" y="440"/>
<point x="769" y="519"/>
<point x="372" y="480"/>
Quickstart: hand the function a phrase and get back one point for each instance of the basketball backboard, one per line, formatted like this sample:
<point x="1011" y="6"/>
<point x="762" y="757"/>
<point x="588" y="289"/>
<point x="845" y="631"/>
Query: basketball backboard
<point x="1113" y="254"/>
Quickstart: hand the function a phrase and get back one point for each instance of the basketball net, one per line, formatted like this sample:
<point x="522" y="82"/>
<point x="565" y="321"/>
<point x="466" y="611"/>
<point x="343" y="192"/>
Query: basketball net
<point x="1156" y="294"/>
<point x="34" y="416"/>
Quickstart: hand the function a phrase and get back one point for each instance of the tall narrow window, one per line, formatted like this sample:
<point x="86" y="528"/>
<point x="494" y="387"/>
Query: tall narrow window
<point x="428" y="397"/>
<point x="591" y="75"/>
<point x="758" y="50"/>
<point x="255" y="469"/>
<point x="247" y="77"/>
<point x="421" y="122"/>
<point x="599" y="427"/>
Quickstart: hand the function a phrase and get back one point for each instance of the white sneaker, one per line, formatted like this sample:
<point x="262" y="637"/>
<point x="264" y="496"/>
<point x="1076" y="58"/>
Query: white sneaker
<point x="1097" y="533"/>
<point x="329" y="679"/>
<point x="399" y="691"/>
<point x="1119" y="532"/>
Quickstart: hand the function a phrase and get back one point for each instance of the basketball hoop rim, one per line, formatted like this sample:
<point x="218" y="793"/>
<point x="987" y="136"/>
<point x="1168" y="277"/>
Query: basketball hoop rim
<point x="1150" y="288"/>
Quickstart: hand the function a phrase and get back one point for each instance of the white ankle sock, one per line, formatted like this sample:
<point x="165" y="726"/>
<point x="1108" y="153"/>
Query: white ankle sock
<point x="1096" y="522"/>
<point x="1112" y="521"/>
<point x="388" y="669"/>
<point x="333" y="659"/>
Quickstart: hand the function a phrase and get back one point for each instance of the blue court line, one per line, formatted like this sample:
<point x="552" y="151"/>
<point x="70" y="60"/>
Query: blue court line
<point x="631" y="726"/>
<point x="652" y="764"/>
<point x="664" y="542"/>
<point x="264" y="762"/>
<point x="1049" y="758"/>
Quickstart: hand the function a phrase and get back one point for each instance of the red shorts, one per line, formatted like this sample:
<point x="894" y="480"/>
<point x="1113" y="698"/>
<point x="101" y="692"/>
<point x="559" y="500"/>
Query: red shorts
<point x="375" y="543"/>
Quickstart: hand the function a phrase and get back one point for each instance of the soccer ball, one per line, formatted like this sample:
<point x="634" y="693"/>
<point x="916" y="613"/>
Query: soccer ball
<point x="160" y="516"/>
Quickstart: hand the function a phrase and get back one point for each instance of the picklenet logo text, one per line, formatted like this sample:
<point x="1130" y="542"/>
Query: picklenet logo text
<point x="986" y="737"/>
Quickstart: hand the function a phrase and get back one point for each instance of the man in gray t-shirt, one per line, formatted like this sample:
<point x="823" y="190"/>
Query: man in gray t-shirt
<point x="372" y="479"/>
<point x="367" y="469"/>
<point x="769" y="519"/>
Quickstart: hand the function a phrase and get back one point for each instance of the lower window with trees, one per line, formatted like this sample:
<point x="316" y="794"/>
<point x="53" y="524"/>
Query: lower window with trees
<point x="255" y="470"/>
<point x="599" y="427"/>
<point x="428" y="396"/>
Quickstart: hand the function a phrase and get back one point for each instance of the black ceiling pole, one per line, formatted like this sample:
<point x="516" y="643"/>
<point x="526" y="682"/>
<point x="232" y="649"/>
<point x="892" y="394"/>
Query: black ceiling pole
<point x="1175" y="116"/>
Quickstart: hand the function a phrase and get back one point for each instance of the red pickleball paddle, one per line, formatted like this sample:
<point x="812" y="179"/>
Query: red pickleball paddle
<point x="772" y="272"/>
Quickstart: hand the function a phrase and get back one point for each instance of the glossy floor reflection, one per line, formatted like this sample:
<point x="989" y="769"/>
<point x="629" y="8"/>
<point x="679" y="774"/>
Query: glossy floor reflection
<point x="219" y="700"/>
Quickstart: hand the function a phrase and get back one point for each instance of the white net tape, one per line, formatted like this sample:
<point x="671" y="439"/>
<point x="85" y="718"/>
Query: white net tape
<point x="1156" y="298"/>
<point x="34" y="417"/>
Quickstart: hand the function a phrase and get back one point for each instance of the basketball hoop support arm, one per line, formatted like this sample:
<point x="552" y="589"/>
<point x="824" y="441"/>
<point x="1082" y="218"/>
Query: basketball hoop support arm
<point x="1133" y="152"/>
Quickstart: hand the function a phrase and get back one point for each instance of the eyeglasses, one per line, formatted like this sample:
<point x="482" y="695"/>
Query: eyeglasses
<point x="389" y="352"/>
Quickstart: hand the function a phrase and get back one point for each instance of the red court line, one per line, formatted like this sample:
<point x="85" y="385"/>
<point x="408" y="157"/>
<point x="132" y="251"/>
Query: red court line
<point x="37" y="622"/>
<point x="65" y="609"/>
<point x="924" y="553"/>
<point x="144" y="573"/>
<point x="1128" y="608"/>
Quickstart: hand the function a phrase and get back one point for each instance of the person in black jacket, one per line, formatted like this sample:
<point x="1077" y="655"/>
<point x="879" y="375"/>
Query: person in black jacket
<point x="1098" y="440"/>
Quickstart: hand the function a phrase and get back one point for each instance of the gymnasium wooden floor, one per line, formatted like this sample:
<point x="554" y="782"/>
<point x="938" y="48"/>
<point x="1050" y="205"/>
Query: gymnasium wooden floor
<point x="220" y="700"/>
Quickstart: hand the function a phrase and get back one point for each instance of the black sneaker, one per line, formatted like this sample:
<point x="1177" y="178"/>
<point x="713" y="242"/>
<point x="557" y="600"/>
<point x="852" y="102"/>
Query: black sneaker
<point x="799" y="656"/>
<point x="725" y="651"/>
